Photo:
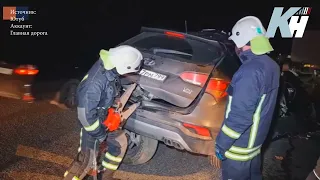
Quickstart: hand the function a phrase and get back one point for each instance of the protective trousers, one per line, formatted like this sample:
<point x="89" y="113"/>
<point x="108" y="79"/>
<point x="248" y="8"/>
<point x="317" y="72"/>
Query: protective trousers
<point x="242" y="170"/>
<point x="113" y="153"/>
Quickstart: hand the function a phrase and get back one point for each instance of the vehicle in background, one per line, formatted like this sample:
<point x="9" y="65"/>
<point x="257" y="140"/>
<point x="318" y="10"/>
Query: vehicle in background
<point x="182" y="89"/>
<point x="306" y="52"/>
<point x="16" y="81"/>
<point x="309" y="71"/>
<point x="56" y="82"/>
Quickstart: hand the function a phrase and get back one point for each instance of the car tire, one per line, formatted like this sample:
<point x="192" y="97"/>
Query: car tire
<point x="214" y="161"/>
<point x="143" y="151"/>
<point x="68" y="93"/>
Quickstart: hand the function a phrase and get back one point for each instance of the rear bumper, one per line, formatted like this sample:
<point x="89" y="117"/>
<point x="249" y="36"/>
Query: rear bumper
<point x="172" y="133"/>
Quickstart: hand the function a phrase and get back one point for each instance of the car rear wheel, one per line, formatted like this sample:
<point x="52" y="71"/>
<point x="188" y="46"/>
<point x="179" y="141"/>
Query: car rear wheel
<point x="140" y="149"/>
<point x="214" y="161"/>
<point x="68" y="93"/>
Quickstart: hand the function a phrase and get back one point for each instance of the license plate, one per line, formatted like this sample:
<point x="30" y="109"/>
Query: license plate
<point x="152" y="75"/>
<point x="5" y="71"/>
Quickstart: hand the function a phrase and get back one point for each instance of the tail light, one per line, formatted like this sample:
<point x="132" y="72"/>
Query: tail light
<point x="174" y="34"/>
<point x="26" y="70"/>
<point x="216" y="87"/>
<point x="199" y="130"/>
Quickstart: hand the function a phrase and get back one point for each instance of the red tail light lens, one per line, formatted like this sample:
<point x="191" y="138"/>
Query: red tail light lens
<point x="216" y="87"/>
<point x="174" y="34"/>
<point x="199" y="130"/>
<point x="26" y="70"/>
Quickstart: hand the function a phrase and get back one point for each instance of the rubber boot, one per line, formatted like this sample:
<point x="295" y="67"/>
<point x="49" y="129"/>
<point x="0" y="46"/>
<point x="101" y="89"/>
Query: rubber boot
<point x="108" y="175"/>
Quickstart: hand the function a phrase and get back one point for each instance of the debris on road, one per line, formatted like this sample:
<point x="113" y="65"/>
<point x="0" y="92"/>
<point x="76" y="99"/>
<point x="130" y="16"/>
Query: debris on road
<point x="279" y="158"/>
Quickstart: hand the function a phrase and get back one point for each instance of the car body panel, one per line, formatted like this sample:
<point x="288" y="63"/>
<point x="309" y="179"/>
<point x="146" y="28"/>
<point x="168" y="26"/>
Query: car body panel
<point x="171" y="132"/>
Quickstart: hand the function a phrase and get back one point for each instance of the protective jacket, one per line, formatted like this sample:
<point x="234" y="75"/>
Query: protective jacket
<point x="252" y="99"/>
<point x="96" y="91"/>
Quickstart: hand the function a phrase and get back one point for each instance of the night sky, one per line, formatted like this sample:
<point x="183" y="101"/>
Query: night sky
<point x="76" y="32"/>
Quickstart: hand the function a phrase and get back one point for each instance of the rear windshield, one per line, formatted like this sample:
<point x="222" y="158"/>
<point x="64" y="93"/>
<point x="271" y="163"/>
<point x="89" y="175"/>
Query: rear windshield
<point x="187" y="50"/>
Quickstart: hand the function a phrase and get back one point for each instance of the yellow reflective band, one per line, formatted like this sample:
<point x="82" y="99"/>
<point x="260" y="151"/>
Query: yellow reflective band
<point x="256" y="121"/>
<point x="228" y="107"/>
<point x="113" y="158"/>
<point x="109" y="166"/>
<point x="76" y="178"/>
<point x="239" y="157"/>
<point x="93" y="127"/>
<point x="81" y="137"/>
<point x="240" y="150"/>
<point x="229" y="132"/>
<point x="65" y="174"/>
<point x="85" y="77"/>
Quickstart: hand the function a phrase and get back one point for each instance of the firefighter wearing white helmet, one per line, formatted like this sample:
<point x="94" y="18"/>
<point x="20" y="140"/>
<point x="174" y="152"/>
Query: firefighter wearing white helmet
<point x="252" y="97"/>
<point x="95" y="94"/>
<point x="125" y="59"/>
<point x="250" y="31"/>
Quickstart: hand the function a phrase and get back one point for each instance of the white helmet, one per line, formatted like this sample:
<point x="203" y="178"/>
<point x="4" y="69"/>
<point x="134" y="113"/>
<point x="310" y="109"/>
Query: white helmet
<point x="126" y="59"/>
<point x="250" y="29"/>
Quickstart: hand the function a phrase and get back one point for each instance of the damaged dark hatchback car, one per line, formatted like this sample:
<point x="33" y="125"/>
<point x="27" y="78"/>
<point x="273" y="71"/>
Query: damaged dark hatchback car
<point x="182" y="89"/>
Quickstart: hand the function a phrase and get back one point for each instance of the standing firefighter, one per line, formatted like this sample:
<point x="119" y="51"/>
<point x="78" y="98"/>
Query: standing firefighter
<point x="96" y="93"/>
<point x="252" y="99"/>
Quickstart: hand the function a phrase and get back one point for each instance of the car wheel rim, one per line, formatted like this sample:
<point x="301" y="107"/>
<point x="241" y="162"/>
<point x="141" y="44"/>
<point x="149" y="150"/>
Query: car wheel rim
<point x="134" y="140"/>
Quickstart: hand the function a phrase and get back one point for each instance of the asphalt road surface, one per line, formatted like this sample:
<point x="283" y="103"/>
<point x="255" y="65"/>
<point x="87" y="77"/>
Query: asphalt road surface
<point x="39" y="140"/>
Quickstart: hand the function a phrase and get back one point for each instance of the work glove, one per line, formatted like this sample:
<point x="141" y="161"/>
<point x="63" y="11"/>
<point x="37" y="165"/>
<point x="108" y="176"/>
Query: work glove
<point x="220" y="153"/>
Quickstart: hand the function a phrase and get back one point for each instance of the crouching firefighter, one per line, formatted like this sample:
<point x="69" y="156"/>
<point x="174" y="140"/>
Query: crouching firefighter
<point x="96" y="93"/>
<point x="252" y="98"/>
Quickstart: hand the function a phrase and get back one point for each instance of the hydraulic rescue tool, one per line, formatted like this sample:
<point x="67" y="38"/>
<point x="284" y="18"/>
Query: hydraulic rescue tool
<point x="117" y="116"/>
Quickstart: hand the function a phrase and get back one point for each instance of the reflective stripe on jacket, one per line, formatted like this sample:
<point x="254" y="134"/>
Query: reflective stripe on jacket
<point x="251" y="102"/>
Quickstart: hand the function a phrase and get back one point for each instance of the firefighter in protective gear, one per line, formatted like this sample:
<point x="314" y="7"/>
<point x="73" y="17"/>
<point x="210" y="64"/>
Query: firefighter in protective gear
<point x="251" y="103"/>
<point x="95" y="94"/>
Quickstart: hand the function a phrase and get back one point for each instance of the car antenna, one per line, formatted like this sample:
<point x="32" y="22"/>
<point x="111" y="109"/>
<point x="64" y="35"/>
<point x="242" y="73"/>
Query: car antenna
<point x="186" y="26"/>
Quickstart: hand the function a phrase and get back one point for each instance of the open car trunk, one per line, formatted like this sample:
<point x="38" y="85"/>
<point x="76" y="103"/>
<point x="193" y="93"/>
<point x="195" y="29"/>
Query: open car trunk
<point x="175" y="69"/>
<point x="161" y="78"/>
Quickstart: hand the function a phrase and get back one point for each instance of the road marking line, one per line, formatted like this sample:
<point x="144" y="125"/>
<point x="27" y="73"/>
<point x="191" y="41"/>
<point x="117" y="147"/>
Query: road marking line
<point x="31" y="176"/>
<point x="119" y="174"/>
<point x="131" y="175"/>
<point x="33" y="153"/>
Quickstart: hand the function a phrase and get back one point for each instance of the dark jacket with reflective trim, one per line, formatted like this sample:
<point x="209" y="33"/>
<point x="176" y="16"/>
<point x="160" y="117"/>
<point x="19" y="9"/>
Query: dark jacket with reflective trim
<point x="96" y="90"/>
<point x="252" y="99"/>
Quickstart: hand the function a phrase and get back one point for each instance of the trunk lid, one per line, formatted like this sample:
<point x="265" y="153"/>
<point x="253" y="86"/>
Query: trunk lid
<point x="167" y="56"/>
